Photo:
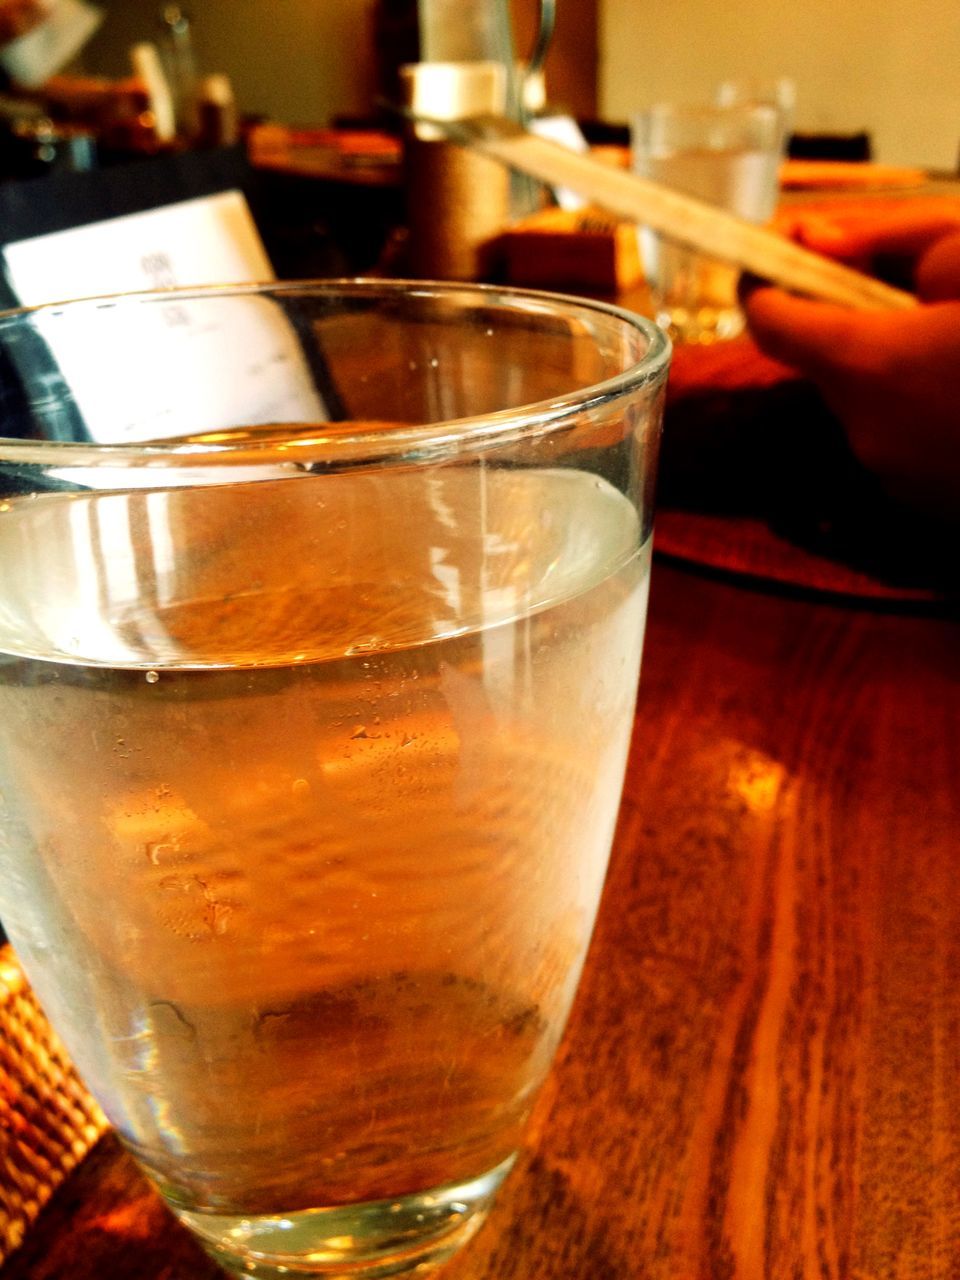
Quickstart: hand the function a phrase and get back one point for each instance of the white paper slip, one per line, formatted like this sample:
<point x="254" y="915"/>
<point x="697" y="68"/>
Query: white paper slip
<point x="565" y="131"/>
<point x="206" y="365"/>
<point x="208" y="240"/>
<point x="200" y="366"/>
<point x="36" y="56"/>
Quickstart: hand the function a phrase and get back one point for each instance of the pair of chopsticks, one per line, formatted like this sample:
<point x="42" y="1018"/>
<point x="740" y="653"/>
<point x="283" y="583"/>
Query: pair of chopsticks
<point x="690" y="222"/>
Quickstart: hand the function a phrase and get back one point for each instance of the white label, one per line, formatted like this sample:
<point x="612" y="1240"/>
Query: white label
<point x="151" y="371"/>
<point x="34" y="57"/>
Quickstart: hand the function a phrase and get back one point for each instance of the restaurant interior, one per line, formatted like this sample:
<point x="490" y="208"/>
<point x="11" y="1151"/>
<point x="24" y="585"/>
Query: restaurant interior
<point x="760" y="1077"/>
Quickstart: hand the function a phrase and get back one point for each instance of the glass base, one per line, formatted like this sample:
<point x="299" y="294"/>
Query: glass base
<point x="701" y="326"/>
<point x="380" y="1238"/>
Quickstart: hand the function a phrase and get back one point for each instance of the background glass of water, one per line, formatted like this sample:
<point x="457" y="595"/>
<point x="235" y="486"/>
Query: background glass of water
<point x="779" y="92"/>
<point x="321" y="609"/>
<point x="727" y="156"/>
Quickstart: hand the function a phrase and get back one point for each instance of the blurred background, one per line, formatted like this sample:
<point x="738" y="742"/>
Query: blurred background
<point x="876" y="65"/>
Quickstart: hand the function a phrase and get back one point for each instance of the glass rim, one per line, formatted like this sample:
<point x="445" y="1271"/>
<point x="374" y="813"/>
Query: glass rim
<point x="417" y="442"/>
<point x="707" y="110"/>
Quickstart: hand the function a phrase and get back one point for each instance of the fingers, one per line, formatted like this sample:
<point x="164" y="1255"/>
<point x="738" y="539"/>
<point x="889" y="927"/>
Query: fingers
<point x="892" y="378"/>
<point x="860" y="235"/>
<point x="797" y="331"/>
<point x="938" y="271"/>
<point x="906" y="233"/>
<point x="822" y="232"/>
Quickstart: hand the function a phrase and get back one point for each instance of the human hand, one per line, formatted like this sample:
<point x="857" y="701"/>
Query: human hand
<point x="869" y="237"/>
<point x="892" y="378"/>
<point x="17" y="17"/>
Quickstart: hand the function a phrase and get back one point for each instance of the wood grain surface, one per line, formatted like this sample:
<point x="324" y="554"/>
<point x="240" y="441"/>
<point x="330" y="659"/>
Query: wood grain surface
<point x="761" y="1077"/>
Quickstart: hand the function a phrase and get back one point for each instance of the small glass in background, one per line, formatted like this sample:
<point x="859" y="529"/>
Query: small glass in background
<point x="726" y="156"/>
<point x="779" y="92"/>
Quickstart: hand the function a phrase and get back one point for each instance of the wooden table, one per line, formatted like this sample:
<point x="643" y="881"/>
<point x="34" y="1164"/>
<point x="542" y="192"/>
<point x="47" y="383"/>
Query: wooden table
<point x="761" y="1077"/>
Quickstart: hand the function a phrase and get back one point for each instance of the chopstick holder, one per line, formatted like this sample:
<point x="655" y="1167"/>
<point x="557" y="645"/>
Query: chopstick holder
<point x="690" y="222"/>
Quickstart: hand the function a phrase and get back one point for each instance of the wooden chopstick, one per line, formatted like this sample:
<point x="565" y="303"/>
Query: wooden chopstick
<point x="690" y="222"/>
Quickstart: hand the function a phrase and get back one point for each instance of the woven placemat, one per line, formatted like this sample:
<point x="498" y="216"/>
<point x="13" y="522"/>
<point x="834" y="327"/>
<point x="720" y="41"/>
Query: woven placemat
<point x="48" y="1121"/>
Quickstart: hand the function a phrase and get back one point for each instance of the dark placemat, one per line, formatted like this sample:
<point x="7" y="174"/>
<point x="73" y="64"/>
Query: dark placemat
<point x="748" y="548"/>
<point x="757" y="479"/>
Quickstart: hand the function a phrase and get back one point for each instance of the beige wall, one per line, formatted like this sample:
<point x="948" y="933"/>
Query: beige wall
<point x="308" y="60"/>
<point x="296" y="60"/>
<point x="882" y="65"/>
<point x="299" y="60"/>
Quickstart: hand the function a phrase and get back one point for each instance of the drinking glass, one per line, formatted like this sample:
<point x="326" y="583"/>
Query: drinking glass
<point x="321" y="609"/>
<point x="779" y="92"/>
<point x="726" y="156"/>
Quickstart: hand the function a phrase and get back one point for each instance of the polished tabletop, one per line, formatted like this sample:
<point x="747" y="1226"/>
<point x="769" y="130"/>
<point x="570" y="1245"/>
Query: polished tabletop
<point x="761" y="1075"/>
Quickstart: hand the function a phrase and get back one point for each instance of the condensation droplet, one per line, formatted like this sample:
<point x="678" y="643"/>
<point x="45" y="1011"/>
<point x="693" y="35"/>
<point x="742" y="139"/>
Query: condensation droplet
<point x="152" y="677"/>
<point x="369" y="645"/>
<point x="158" y="851"/>
<point x="300" y="787"/>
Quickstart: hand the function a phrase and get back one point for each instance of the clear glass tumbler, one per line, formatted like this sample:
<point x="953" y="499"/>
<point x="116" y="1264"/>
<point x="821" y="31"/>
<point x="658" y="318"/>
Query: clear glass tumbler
<point x="321" y="609"/>
<point x="726" y="156"/>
